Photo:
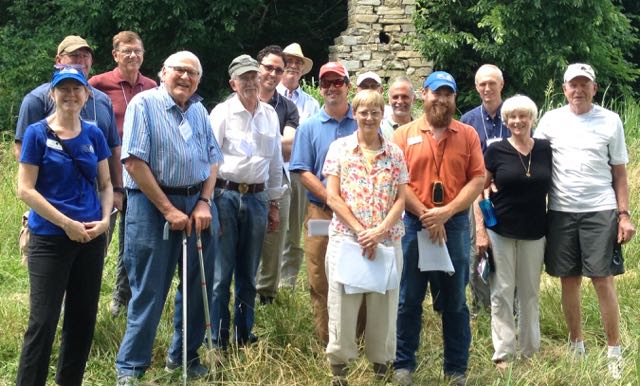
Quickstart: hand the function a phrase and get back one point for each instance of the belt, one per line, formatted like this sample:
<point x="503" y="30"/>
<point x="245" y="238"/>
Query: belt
<point x="177" y="190"/>
<point x="239" y="187"/>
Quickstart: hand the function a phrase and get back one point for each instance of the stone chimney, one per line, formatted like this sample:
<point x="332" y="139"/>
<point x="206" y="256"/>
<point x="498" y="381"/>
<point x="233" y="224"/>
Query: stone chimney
<point x="378" y="38"/>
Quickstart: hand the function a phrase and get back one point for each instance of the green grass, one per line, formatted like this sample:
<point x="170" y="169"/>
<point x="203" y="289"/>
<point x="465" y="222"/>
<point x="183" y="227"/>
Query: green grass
<point x="288" y="353"/>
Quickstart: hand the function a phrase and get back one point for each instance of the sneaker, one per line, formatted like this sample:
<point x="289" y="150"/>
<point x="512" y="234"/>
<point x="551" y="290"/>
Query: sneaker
<point x="402" y="377"/>
<point x="615" y="365"/>
<point x="127" y="380"/>
<point x="116" y="307"/>
<point x="456" y="379"/>
<point x="194" y="371"/>
<point x="577" y="350"/>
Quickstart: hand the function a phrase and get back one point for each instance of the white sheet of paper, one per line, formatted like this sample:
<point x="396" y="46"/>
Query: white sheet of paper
<point x="359" y="274"/>
<point x="318" y="227"/>
<point x="433" y="256"/>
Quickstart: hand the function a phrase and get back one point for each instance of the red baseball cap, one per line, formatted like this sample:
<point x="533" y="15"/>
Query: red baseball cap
<point x="336" y="68"/>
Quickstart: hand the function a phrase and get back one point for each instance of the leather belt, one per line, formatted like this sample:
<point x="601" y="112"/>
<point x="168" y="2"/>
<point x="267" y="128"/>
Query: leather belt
<point x="182" y="190"/>
<point x="239" y="187"/>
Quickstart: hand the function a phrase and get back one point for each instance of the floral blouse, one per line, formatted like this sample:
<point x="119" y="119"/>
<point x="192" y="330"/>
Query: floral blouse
<point x="369" y="192"/>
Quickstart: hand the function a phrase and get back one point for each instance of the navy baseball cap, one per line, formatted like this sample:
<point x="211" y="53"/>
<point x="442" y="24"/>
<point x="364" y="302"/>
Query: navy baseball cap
<point x="438" y="79"/>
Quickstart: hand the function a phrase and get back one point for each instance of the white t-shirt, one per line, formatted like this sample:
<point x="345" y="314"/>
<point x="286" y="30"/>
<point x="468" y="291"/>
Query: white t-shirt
<point x="584" y="148"/>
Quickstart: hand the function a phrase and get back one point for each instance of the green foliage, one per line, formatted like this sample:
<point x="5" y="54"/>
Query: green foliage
<point x="531" y="41"/>
<point x="216" y="31"/>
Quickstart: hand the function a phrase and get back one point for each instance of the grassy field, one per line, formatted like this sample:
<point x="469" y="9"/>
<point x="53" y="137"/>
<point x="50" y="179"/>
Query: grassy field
<point x="288" y="353"/>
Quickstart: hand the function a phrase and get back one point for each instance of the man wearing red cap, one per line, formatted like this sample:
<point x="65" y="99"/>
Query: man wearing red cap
<point x="312" y="140"/>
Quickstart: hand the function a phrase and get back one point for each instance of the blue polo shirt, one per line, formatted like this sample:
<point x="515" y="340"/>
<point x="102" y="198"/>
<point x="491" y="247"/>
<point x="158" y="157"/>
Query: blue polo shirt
<point x="486" y="127"/>
<point x="312" y="141"/>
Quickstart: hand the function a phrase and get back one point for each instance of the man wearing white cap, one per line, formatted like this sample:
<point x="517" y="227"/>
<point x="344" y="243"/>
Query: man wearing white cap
<point x="588" y="205"/>
<point x="371" y="81"/>
<point x="296" y="66"/>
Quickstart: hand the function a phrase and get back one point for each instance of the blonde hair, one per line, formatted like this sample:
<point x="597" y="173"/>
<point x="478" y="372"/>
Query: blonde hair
<point x="126" y="37"/>
<point x="519" y="102"/>
<point x="368" y="98"/>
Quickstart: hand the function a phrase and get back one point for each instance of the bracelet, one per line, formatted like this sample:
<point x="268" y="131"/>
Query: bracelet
<point x="274" y="204"/>
<point x="205" y="200"/>
<point x="118" y="189"/>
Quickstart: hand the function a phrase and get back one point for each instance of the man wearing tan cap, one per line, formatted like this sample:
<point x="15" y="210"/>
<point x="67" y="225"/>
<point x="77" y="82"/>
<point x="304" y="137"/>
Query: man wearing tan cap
<point x="296" y="66"/>
<point x="247" y="191"/>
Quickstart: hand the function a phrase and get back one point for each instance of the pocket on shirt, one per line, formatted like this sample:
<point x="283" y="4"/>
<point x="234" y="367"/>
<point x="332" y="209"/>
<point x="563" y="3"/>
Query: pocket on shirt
<point x="264" y="143"/>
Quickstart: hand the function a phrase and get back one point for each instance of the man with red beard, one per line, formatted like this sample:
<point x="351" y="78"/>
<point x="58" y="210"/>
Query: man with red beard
<point x="446" y="172"/>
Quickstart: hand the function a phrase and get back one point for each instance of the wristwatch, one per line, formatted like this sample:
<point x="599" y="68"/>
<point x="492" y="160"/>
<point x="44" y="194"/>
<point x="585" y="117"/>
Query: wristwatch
<point x="118" y="189"/>
<point x="624" y="213"/>
<point x="274" y="203"/>
<point x="206" y="200"/>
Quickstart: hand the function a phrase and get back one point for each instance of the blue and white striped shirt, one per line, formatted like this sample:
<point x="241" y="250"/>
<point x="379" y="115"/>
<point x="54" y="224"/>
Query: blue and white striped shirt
<point x="155" y="130"/>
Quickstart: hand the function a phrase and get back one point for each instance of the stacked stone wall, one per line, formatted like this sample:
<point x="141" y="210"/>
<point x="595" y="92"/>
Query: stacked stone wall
<point x="378" y="38"/>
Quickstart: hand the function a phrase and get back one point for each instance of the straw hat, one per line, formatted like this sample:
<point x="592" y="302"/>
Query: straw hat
<point x="294" y="49"/>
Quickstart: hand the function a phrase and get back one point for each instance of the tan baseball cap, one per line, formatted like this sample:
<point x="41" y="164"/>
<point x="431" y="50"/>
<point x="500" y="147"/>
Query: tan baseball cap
<point x="72" y="43"/>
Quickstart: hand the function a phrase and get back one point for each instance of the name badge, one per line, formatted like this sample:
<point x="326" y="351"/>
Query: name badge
<point x="492" y="140"/>
<point x="52" y="143"/>
<point x="414" y="140"/>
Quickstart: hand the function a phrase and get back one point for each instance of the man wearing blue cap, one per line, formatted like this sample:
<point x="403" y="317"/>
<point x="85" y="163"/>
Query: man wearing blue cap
<point x="446" y="172"/>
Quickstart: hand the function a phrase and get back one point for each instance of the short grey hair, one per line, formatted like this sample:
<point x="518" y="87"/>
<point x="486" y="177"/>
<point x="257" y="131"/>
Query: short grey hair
<point x="403" y="79"/>
<point x="174" y="60"/>
<point x="519" y="102"/>
<point x="489" y="68"/>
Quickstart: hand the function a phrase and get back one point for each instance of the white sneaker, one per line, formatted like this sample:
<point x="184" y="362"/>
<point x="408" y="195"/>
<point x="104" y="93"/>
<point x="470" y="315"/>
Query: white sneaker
<point x="615" y="365"/>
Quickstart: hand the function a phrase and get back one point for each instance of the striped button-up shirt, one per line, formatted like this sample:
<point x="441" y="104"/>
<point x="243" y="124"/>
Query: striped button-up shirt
<point x="306" y="104"/>
<point x="178" y="146"/>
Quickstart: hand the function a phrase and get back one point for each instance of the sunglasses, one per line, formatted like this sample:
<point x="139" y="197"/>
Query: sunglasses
<point x="337" y="83"/>
<point x="270" y="68"/>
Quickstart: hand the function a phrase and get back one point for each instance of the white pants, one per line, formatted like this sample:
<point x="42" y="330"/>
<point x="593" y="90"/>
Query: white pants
<point x="518" y="263"/>
<point x="382" y="312"/>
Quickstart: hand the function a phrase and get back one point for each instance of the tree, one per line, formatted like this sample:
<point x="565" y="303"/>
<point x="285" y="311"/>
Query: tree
<point x="532" y="41"/>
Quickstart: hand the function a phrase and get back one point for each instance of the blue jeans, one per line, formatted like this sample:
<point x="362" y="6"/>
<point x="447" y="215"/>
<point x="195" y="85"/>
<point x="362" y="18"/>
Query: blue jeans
<point x="150" y="263"/>
<point x="240" y="244"/>
<point x="448" y="293"/>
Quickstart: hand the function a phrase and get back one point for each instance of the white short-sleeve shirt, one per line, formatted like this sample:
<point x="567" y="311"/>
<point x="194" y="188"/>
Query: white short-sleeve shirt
<point x="584" y="147"/>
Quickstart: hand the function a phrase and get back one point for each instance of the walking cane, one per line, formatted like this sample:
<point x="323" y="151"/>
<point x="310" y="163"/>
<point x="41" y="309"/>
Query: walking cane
<point x="165" y="236"/>
<point x="205" y="296"/>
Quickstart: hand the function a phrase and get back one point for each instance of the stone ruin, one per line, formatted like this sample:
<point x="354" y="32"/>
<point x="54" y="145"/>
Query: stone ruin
<point x="378" y="38"/>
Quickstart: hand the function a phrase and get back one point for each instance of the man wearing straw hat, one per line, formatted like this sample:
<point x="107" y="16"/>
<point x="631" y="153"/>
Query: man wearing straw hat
<point x="296" y="66"/>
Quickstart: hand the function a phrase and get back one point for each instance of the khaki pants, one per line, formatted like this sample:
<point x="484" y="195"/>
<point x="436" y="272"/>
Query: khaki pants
<point x="518" y="263"/>
<point x="315" y="248"/>
<point x="381" y="314"/>
<point x="292" y="254"/>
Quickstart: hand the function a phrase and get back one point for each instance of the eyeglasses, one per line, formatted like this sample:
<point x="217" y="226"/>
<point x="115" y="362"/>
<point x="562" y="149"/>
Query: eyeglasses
<point x="291" y="62"/>
<point x="270" y="68"/>
<point x="185" y="70"/>
<point x="337" y="83"/>
<point x="78" y="55"/>
<point x="136" y="52"/>
<point x="366" y="114"/>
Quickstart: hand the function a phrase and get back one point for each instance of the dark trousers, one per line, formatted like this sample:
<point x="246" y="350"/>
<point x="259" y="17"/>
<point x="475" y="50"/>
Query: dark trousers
<point x="57" y="266"/>
<point x="122" y="290"/>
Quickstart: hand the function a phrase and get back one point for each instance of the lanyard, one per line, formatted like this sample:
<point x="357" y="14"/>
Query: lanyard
<point x="435" y="157"/>
<point x="486" y="135"/>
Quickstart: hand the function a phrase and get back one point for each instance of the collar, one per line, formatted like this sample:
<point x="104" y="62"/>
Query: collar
<point x="486" y="116"/>
<point x="324" y="117"/>
<point x="236" y="107"/>
<point x="353" y="145"/>
<point x="283" y="90"/>
<point x="169" y="102"/>
<point x="120" y="79"/>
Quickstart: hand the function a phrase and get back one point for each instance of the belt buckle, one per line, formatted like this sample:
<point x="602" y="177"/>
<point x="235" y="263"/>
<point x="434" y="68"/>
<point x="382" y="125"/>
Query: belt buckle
<point x="243" y="188"/>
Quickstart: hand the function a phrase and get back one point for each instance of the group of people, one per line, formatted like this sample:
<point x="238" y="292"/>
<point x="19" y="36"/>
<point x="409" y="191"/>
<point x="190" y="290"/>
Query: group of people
<point x="250" y="178"/>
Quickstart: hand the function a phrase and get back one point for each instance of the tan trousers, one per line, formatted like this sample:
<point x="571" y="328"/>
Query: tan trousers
<point x="518" y="263"/>
<point x="381" y="315"/>
<point x="315" y="248"/>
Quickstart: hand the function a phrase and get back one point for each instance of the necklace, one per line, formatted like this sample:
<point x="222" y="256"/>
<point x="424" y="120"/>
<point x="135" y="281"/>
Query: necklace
<point x="527" y="169"/>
